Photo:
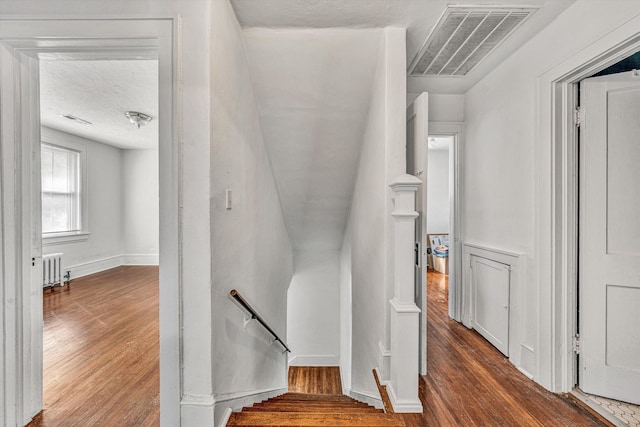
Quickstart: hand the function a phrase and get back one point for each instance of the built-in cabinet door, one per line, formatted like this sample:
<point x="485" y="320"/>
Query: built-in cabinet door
<point x="609" y="277"/>
<point x="490" y="301"/>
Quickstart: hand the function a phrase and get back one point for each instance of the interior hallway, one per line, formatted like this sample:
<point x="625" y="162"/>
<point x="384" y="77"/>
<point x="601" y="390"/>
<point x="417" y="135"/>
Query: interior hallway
<point x="101" y="350"/>
<point x="471" y="383"/>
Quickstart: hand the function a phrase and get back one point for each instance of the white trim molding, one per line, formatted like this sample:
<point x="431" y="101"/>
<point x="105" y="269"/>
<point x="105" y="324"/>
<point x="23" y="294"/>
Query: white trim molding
<point x="102" y="264"/>
<point x="92" y="267"/>
<point x="384" y="362"/>
<point x="140" y="259"/>
<point x="52" y="239"/>
<point x="365" y="397"/>
<point x="403" y="405"/>
<point x="222" y="403"/>
<point x="197" y="410"/>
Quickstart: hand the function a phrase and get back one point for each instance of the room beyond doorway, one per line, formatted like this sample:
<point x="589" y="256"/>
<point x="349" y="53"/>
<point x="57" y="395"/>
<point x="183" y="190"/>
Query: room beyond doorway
<point x="439" y="207"/>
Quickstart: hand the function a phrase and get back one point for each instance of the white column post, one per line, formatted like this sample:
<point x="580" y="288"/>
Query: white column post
<point x="405" y="314"/>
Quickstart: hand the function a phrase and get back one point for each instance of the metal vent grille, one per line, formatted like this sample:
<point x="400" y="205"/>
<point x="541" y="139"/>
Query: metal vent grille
<point x="463" y="37"/>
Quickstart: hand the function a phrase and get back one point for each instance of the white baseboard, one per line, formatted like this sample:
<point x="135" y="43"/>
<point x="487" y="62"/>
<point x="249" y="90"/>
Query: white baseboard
<point x="96" y="266"/>
<point x="236" y="401"/>
<point x="91" y="267"/>
<point x="366" y="397"/>
<point x="225" y="417"/>
<point x="141" y="259"/>
<point x="197" y="410"/>
<point x="384" y="362"/>
<point x="403" y="406"/>
<point x="315" y="360"/>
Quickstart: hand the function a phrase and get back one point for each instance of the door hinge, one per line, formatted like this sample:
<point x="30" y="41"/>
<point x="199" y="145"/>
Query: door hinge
<point x="576" y="343"/>
<point x="578" y="116"/>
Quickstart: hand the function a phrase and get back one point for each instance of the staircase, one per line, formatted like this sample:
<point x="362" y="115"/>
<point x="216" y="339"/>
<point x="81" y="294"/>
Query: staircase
<point x="308" y="410"/>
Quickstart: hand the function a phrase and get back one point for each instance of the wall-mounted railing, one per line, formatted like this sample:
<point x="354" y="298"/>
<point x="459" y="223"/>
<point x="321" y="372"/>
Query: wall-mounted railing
<point x="242" y="303"/>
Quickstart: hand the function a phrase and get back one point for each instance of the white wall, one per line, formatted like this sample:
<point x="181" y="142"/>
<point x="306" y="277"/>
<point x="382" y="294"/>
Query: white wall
<point x="123" y="208"/>
<point x="251" y="250"/>
<point x="368" y="235"/>
<point x="313" y="309"/>
<point x="438" y="203"/>
<point x="140" y="205"/>
<point x="104" y="178"/>
<point x="442" y="107"/>
<point x="499" y="177"/>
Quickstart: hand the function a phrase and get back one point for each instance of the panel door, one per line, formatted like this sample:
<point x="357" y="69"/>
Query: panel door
<point x="490" y="296"/>
<point x="417" y="161"/>
<point x="609" y="252"/>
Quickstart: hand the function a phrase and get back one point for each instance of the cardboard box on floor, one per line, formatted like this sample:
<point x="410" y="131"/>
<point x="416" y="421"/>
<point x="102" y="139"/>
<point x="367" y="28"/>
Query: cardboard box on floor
<point x="441" y="264"/>
<point x="437" y="263"/>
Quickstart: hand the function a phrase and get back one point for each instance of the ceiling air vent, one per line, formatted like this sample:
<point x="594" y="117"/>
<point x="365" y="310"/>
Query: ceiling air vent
<point x="463" y="37"/>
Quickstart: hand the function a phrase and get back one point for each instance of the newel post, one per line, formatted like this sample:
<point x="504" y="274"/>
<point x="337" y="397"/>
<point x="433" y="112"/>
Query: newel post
<point x="404" y="313"/>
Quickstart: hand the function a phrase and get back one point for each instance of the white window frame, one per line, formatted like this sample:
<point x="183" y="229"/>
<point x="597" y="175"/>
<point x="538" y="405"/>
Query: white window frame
<point x="49" y="239"/>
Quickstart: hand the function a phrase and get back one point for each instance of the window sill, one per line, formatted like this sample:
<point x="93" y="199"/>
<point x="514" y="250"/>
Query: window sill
<point x="63" y="238"/>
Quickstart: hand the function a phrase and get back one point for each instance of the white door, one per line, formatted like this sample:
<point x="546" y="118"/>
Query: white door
<point x="609" y="274"/>
<point x="490" y="296"/>
<point x="417" y="161"/>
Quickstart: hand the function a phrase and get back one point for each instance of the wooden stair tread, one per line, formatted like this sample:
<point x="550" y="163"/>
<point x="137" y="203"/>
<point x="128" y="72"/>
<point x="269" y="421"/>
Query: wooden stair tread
<point x="315" y="409"/>
<point x="308" y="396"/>
<point x="287" y="419"/>
<point x="335" y="404"/>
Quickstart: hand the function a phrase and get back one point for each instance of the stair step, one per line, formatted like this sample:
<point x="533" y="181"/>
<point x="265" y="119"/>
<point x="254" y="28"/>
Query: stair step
<point x="287" y="419"/>
<point x="315" y="397"/>
<point x="313" y="403"/>
<point x="309" y="408"/>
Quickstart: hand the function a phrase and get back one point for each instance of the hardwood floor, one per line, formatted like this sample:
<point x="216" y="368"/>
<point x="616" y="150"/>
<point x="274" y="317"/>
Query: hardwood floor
<point x="101" y="350"/>
<point x="315" y="379"/>
<point x="101" y="363"/>
<point x="470" y="383"/>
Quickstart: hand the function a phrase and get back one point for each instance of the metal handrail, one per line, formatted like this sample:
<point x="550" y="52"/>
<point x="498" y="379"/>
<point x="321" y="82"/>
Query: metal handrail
<point x="254" y="315"/>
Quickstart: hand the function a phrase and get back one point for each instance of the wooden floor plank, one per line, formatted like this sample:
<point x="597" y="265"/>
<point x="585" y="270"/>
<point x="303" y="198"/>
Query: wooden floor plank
<point x="101" y="363"/>
<point x="101" y="350"/>
<point x="469" y="382"/>
<point x="315" y="379"/>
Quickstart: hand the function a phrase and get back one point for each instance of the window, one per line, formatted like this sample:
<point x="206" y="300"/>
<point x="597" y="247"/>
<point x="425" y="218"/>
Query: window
<point x="62" y="198"/>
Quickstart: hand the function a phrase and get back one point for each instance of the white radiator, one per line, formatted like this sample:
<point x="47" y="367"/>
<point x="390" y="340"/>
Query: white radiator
<point x="52" y="270"/>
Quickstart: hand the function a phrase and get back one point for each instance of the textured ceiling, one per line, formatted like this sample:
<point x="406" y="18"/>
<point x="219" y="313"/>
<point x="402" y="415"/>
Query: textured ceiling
<point x="313" y="64"/>
<point x="100" y="92"/>
<point x="418" y="16"/>
<point x="313" y="90"/>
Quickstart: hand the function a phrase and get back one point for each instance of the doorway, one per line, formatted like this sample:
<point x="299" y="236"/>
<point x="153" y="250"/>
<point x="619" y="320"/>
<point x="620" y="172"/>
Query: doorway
<point x="449" y="163"/>
<point x="609" y="240"/>
<point x="439" y="208"/>
<point x="419" y="131"/>
<point x="99" y="175"/>
<point x="22" y="46"/>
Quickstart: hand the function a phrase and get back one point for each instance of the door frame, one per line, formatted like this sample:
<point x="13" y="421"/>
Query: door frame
<point x="21" y="42"/>
<point x="456" y="130"/>
<point x="556" y="201"/>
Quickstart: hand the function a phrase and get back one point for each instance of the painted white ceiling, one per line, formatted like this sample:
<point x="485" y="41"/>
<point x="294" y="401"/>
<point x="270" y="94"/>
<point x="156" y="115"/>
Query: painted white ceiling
<point x="418" y="16"/>
<point x="313" y="90"/>
<point x="313" y="64"/>
<point x="100" y="92"/>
